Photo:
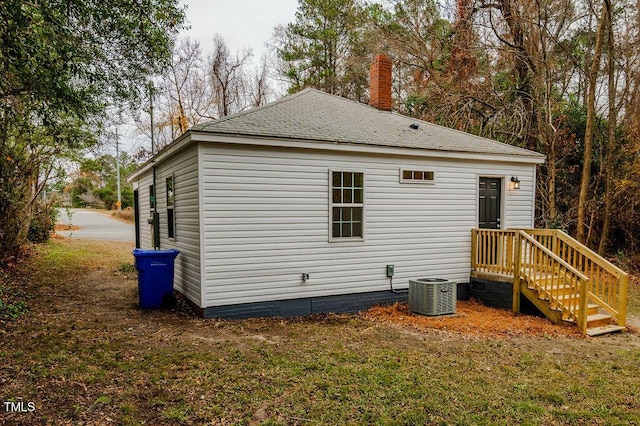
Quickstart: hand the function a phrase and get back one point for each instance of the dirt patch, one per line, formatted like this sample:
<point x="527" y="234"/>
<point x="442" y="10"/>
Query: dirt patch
<point x="475" y="319"/>
<point x="65" y="227"/>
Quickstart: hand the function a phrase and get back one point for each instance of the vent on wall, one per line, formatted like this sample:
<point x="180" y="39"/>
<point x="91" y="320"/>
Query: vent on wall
<point x="432" y="296"/>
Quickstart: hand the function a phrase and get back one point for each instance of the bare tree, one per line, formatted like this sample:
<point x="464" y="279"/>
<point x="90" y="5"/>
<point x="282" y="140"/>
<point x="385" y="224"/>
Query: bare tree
<point x="185" y="89"/>
<point x="227" y="76"/>
<point x="591" y="113"/>
<point x="192" y="90"/>
<point x="259" y="89"/>
<point x="550" y="27"/>
<point x="180" y="95"/>
<point x="611" y="145"/>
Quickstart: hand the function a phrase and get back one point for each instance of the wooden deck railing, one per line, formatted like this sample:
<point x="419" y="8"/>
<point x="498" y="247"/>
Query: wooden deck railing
<point x="550" y="256"/>
<point x="493" y="250"/>
<point x="607" y="283"/>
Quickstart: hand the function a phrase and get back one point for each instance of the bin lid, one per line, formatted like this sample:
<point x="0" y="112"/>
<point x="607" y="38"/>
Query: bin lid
<point x="155" y="253"/>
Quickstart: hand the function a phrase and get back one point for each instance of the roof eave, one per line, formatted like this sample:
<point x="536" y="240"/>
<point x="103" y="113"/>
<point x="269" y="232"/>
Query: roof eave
<point x="177" y="145"/>
<point x="286" y="142"/>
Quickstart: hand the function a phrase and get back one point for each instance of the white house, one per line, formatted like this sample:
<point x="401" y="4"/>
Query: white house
<point x="298" y="206"/>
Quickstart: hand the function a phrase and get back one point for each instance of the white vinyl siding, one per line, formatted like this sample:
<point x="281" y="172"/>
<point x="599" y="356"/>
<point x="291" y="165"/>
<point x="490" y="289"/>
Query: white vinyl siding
<point x="171" y="217"/>
<point x="183" y="168"/>
<point x="145" y="210"/>
<point x="266" y="213"/>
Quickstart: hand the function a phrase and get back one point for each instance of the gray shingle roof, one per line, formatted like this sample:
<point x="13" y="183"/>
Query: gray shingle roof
<point x="315" y="116"/>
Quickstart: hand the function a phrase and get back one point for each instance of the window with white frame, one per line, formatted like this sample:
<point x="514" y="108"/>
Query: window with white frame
<point x="347" y="205"/>
<point x="416" y="176"/>
<point x="171" y="220"/>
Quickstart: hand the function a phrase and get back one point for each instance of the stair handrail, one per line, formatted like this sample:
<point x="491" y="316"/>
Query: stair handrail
<point x="620" y="314"/>
<point x="581" y="315"/>
<point x="619" y="309"/>
<point x="554" y="256"/>
<point x="599" y="259"/>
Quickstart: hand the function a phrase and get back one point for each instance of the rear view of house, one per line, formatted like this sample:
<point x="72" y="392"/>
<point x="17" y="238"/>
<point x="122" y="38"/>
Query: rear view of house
<point x="300" y="206"/>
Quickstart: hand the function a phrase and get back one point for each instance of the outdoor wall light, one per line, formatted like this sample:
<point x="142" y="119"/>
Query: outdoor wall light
<point x="516" y="182"/>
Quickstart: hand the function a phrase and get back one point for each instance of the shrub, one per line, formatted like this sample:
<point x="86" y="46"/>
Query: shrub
<point x="107" y="196"/>
<point x="42" y="222"/>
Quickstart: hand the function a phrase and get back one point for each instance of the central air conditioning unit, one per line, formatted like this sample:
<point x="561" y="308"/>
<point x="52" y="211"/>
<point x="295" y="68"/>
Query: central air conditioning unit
<point x="432" y="296"/>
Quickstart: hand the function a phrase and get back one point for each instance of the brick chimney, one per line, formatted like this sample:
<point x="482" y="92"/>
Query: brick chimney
<point x="380" y="83"/>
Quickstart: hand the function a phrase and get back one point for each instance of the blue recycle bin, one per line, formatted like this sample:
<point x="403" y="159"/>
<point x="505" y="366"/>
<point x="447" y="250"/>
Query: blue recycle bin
<point x="155" y="277"/>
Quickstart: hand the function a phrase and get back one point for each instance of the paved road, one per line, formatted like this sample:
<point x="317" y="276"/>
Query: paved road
<point x="95" y="225"/>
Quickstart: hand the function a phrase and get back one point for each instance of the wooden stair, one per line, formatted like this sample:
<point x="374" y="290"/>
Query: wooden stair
<point x="552" y="307"/>
<point x="566" y="280"/>
<point x="596" y="331"/>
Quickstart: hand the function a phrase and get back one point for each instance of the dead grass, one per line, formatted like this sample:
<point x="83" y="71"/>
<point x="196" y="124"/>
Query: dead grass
<point x="85" y="354"/>
<point x="125" y="215"/>
<point x="65" y="227"/>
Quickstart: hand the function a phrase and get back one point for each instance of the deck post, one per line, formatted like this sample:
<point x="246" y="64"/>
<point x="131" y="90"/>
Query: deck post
<point x="474" y="249"/>
<point x="622" y="310"/>
<point x="516" y="272"/>
<point x="582" y="309"/>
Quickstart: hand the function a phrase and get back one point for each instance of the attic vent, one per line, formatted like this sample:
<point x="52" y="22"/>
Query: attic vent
<point x="414" y="126"/>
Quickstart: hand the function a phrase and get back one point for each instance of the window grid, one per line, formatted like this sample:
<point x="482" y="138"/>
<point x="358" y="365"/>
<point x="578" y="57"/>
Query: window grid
<point x="347" y="196"/>
<point x="417" y="176"/>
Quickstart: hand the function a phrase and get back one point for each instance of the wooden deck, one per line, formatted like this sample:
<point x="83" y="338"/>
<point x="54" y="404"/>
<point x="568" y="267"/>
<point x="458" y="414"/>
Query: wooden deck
<point x="566" y="280"/>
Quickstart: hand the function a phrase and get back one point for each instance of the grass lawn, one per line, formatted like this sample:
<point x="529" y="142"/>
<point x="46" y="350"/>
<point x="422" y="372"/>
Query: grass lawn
<point x="84" y="354"/>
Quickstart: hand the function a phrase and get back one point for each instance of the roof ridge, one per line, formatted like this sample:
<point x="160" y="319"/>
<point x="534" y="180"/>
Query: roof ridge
<point x="282" y="100"/>
<point x="342" y="98"/>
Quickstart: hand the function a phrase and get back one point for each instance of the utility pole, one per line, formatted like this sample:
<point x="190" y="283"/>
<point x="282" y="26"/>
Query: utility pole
<point x="119" y="203"/>
<point x="153" y="144"/>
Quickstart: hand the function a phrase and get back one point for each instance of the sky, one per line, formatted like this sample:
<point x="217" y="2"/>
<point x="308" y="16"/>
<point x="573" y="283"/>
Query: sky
<point x="244" y="24"/>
